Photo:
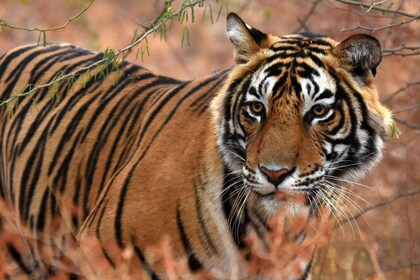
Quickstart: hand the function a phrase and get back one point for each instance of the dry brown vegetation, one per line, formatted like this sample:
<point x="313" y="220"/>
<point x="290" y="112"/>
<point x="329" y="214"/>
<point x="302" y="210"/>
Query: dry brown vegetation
<point x="383" y="243"/>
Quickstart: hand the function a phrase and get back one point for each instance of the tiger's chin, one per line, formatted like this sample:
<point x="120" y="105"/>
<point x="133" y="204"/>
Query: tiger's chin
<point x="284" y="202"/>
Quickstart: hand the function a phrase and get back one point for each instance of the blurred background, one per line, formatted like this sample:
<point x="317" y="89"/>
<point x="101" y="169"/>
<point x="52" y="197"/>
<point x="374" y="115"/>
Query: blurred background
<point x="385" y="244"/>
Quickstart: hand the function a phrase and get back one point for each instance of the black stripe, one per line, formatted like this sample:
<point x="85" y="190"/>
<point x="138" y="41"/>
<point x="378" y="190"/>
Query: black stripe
<point x="62" y="170"/>
<point x="40" y="116"/>
<point x="128" y="127"/>
<point x="120" y="207"/>
<point x="209" y="242"/>
<point x="170" y="95"/>
<point x="122" y="158"/>
<point x="109" y="95"/>
<point x="307" y="271"/>
<point x="16" y="72"/>
<point x="193" y="261"/>
<point x="168" y="118"/>
<point x="43" y="66"/>
<point x="18" y="259"/>
<point x="228" y="198"/>
<point x="209" y="94"/>
<point x="90" y="87"/>
<point x="143" y="260"/>
<point x="98" y="236"/>
<point x="43" y="210"/>
<point x="71" y="128"/>
<point x="33" y="167"/>
<point x="10" y="57"/>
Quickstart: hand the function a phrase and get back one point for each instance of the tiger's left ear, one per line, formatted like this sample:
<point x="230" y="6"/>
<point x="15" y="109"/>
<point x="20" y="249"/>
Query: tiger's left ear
<point x="246" y="40"/>
<point x="361" y="54"/>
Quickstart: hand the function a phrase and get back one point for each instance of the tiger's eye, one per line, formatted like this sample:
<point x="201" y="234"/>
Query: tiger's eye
<point x="319" y="110"/>
<point x="257" y="108"/>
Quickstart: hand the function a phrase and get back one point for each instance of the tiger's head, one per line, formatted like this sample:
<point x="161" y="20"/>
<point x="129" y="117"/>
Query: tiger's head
<point x="299" y="113"/>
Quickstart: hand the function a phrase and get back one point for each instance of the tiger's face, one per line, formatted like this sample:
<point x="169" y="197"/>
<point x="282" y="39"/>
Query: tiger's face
<point x="300" y="114"/>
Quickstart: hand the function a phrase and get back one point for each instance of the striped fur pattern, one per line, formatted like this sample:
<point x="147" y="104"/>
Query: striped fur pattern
<point x="130" y="157"/>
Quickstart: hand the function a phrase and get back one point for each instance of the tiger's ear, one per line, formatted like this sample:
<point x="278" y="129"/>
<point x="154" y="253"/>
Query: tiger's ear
<point x="246" y="40"/>
<point x="361" y="54"/>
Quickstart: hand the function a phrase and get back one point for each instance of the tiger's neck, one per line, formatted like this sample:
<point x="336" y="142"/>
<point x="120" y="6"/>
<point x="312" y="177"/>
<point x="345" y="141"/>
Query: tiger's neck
<point x="227" y="216"/>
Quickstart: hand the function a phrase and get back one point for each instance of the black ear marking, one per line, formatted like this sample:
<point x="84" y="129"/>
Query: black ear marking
<point x="362" y="53"/>
<point x="257" y="35"/>
<point x="246" y="39"/>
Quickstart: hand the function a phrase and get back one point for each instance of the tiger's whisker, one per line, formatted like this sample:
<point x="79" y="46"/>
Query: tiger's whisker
<point x="347" y="181"/>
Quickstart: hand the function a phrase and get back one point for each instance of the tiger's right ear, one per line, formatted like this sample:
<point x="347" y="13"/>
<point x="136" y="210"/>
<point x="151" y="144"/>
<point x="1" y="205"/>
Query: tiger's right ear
<point x="246" y="40"/>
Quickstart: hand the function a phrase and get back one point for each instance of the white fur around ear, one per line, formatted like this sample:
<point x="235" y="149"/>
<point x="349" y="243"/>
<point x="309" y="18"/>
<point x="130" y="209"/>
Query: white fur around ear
<point x="246" y="40"/>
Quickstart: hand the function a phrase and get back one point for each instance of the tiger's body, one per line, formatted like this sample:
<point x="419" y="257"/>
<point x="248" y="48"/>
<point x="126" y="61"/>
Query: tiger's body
<point x="131" y="157"/>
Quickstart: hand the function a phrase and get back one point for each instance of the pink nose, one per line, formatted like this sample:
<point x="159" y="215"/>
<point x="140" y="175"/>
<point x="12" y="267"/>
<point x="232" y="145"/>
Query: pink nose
<point x="275" y="176"/>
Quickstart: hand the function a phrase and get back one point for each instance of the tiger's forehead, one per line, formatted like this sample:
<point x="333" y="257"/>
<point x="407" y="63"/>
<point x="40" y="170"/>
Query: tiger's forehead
<point x="269" y="84"/>
<point x="304" y="41"/>
<point x="295" y="72"/>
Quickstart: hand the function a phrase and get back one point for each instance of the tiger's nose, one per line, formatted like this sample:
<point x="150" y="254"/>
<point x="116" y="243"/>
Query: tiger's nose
<point x="275" y="176"/>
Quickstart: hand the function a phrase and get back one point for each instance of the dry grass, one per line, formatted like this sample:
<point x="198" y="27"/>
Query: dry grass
<point x="287" y="256"/>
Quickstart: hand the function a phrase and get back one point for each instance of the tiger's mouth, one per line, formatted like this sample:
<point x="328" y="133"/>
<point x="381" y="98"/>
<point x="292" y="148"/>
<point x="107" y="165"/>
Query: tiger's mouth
<point x="298" y="197"/>
<point x="301" y="193"/>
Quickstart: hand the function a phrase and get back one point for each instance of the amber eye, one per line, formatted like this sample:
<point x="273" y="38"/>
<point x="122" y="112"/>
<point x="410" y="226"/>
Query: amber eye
<point x="256" y="108"/>
<point x="319" y="110"/>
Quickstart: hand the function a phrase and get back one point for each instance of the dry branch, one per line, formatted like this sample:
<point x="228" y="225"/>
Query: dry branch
<point x="375" y="29"/>
<point x="376" y="8"/>
<point x="401" y="89"/>
<point x="406" y="123"/>
<point x="402" y="50"/>
<point x="379" y="204"/>
<point x="305" y="19"/>
<point x="39" y="29"/>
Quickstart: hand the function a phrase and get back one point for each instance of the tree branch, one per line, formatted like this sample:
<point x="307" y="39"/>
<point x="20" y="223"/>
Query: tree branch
<point x="408" y="124"/>
<point x="306" y="17"/>
<point x="374" y="7"/>
<point x="42" y="30"/>
<point x="379" y="204"/>
<point x="374" y="29"/>
<point x="402" y="51"/>
<point x="401" y="89"/>
<point x="390" y="269"/>
<point x="412" y="108"/>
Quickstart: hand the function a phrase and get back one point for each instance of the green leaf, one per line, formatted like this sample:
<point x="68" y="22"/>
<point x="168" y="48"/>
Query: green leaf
<point x="25" y="2"/>
<point x="44" y="37"/>
<point x="211" y="13"/>
<point x="185" y="36"/>
<point x="192" y="14"/>
<point x="388" y="8"/>
<point x="395" y="131"/>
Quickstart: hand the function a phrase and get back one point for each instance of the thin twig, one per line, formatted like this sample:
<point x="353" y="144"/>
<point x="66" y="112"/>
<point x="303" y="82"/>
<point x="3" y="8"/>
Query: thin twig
<point x="42" y="30"/>
<point x="412" y="108"/>
<point x="370" y="7"/>
<point x="372" y="250"/>
<point x="402" y="51"/>
<point x="386" y="270"/>
<point x="408" y="124"/>
<point x="306" y="17"/>
<point x="401" y="89"/>
<point x="379" y="204"/>
<point x="375" y="4"/>
<point x="375" y="29"/>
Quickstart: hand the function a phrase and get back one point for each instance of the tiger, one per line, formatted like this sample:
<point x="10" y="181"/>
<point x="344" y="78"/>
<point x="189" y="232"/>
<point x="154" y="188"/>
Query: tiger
<point x="141" y="156"/>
